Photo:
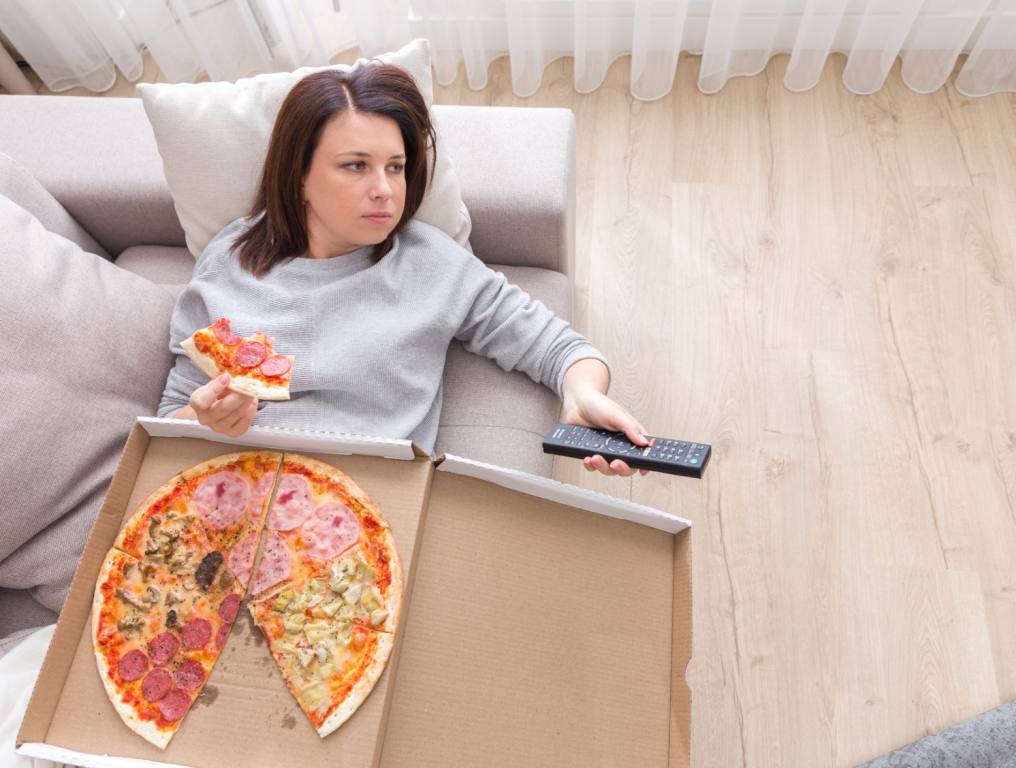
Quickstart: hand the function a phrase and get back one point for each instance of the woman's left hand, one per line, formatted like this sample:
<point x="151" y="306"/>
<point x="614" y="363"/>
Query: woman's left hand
<point x="589" y="407"/>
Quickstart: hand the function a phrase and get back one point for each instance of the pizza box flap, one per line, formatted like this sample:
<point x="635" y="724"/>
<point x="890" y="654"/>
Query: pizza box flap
<point x="548" y="628"/>
<point x="554" y="490"/>
<point x="304" y="441"/>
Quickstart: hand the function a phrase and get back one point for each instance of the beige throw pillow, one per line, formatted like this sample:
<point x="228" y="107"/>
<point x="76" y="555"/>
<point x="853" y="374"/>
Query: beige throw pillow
<point x="86" y="350"/>
<point x="213" y="138"/>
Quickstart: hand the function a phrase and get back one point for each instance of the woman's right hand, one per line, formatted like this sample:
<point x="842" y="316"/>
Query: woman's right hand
<point x="224" y="411"/>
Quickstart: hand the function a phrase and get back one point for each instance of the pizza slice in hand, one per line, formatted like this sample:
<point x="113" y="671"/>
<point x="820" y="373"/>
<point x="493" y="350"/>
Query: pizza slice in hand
<point x="252" y="364"/>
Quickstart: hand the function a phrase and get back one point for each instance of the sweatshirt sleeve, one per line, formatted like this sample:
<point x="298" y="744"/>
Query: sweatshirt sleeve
<point x="189" y="314"/>
<point x="519" y="333"/>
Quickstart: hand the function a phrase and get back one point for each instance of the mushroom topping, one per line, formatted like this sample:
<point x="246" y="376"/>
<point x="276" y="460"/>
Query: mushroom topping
<point x="209" y="567"/>
<point x="128" y="598"/>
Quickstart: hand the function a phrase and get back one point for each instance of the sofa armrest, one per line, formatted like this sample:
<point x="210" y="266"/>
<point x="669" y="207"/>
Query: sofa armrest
<point x="97" y="156"/>
<point x="517" y="170"/>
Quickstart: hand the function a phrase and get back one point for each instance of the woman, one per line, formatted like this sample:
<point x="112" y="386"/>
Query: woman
<point x="331" y="264"/>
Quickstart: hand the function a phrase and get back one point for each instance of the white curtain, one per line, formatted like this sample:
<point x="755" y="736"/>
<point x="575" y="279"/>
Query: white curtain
<point x="84" y="42"/>
<point x="734" y="37"/>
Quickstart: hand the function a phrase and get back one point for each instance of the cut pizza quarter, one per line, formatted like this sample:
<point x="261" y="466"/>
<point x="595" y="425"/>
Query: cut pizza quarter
<point x="156" y="637"/>
<point x="330" y="664"/>
<point x="227" y="497"/>
<point x="328" y="590"/>
<point x="252" y="363"/>
<point x="230" y="497"/>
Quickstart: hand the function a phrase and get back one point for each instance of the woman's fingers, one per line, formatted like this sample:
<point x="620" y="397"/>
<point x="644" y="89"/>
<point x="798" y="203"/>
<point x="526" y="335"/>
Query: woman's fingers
<point x="221" y="409"/>
<point x="239" y="424"/>
<point x="617" y="467"/>
<point x="207" y="395"/>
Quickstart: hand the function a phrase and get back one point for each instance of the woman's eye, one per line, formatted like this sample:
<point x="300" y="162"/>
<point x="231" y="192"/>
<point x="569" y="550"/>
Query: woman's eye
<point x="357" y="166"/>
<point x="396" y="167"/>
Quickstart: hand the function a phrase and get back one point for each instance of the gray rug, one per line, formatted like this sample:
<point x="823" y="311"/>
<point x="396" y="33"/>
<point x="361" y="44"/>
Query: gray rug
<point x="985" y="741"/>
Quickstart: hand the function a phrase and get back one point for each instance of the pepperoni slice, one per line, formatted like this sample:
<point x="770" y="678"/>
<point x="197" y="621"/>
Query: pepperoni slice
<point x="132" y="665"/>
<point x="223" y="332"/>
<point x="276" y="563"/>
<point x="221" y="635"/>
<point x="174" y="705"/>
<point x="196" y="634"/>
<point x="251" y="354"/>
<point x="229" y="607"/>
<point x="292" y="505"/>
<point x="156" y="684"/>
<point x="162" y="648"/>
<point x="190" y="675"/>
<point x="241" y="557"/>
<point x="276" y="365"/>
<point x="222" y="499"/>
<point x="332" y="529"/>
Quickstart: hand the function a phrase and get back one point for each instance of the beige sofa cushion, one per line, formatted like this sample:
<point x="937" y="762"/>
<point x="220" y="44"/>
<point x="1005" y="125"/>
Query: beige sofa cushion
<point x="86" y="352"/>
<point x="481" y="417"/>
<point x="167" y="265"/>
<point x="213" y="138"/>
<point x="20" y="186"/>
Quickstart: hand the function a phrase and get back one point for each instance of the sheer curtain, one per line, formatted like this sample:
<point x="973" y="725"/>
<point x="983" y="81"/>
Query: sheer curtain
<point x="734" y="37"/>
<point x="84" y="42"/>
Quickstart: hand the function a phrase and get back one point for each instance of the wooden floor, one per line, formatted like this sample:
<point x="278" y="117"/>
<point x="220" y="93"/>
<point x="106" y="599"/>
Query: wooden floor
<point x="823" y="286"/>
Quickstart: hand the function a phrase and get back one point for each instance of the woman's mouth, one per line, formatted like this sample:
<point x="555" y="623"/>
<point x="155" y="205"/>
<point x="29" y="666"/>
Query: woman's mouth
<point x="378" y="218"/>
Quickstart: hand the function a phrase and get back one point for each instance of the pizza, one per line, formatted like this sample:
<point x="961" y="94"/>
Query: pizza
<point x="326" y="595"/>
<point x="252" y="364"/>
<point x="327" y="591"/>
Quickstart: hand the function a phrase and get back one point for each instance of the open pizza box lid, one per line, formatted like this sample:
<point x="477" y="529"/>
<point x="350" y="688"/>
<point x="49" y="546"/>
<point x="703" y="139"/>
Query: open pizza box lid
<point x="543" y="624"/>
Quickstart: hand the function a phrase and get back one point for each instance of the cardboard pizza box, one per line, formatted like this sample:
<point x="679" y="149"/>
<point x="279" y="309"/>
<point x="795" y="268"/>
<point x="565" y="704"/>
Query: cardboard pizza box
<point x="543" y="624"/>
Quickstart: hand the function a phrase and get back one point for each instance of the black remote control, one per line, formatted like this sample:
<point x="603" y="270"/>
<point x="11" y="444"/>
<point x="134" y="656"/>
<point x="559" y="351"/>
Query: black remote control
<point x="677" y="457"/>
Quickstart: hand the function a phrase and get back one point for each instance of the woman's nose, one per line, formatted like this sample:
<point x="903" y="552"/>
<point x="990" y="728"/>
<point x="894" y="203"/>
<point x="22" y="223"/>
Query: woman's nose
<point x="381" y="188"/>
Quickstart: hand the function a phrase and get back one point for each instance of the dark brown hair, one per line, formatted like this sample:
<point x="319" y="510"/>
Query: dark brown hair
<point x="279" y="231"/>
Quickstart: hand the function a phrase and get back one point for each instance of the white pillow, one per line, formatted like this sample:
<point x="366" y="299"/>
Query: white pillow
<point x="213" y="138"/>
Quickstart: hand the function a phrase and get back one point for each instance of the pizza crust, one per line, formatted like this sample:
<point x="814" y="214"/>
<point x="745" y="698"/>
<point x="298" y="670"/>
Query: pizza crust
<point x="245" y="385"/>
<point x="143" y="728"/>
<point x="393" y="600"/>
<point x="216" y="463"/>
<point x="363" y="686"/>
<point x="200" y="359"/>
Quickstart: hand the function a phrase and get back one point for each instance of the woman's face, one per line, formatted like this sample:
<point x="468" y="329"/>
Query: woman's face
<point x="355" y="190"/>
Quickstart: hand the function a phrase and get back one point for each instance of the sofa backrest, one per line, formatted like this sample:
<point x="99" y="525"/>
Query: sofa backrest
<point x="98" y="157"/>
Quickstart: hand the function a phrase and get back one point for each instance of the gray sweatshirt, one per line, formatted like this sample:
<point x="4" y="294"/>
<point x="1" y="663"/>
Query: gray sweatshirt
<point x="370" y="340"/>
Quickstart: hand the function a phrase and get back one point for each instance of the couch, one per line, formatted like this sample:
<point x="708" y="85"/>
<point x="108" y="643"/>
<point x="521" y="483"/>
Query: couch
<point x="97" y="157"/>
